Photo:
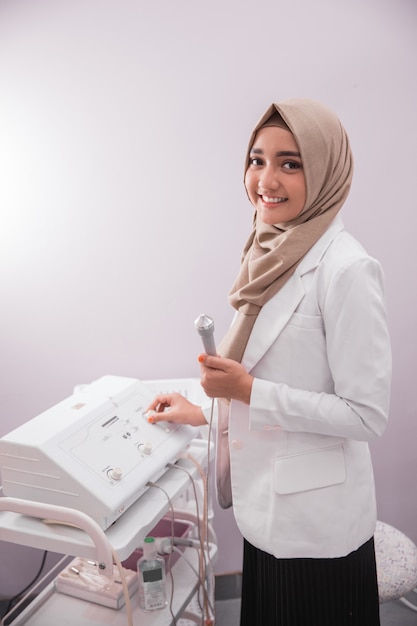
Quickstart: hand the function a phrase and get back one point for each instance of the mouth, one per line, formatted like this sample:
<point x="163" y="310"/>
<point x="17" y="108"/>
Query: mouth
<point x="272" y="200"/>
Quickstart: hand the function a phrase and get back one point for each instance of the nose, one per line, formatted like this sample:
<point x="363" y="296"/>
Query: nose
<point x="268" y="178"/>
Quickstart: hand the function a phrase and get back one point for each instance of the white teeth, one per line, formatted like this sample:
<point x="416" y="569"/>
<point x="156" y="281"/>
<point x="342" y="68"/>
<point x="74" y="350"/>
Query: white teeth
<point x="272" y="200"/>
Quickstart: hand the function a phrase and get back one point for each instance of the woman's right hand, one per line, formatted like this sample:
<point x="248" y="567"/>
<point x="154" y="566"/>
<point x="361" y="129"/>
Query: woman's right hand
<point x="173" y="407"/>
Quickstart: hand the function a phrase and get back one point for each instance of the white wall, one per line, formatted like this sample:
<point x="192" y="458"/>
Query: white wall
<point x="123" y="128"/>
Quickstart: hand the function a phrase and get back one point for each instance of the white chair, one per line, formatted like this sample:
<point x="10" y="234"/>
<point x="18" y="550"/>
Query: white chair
<point x="396" y="562"/>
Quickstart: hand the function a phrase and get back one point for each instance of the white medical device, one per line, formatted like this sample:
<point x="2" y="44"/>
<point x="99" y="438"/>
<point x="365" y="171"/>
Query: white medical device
<point x="94" y="451"/>
<point x="204" y="325"/>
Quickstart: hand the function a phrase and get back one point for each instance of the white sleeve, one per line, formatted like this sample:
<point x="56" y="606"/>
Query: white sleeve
<point x="210" y="411"/>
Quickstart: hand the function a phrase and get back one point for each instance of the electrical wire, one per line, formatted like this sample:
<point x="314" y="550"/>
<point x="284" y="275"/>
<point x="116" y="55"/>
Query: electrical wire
<point x="57" y="567"/>
<point x="178" y="551"/>
<point x="202" y="558"/>
<point x="205" y="478"/>
<point x="181" y="553"/>
<point x="33" y="581"/>
<point x="125" y="588"/>
<point x="203" y="538"/>
<point x="202" y="575"/>
<point x="151" y="484"/>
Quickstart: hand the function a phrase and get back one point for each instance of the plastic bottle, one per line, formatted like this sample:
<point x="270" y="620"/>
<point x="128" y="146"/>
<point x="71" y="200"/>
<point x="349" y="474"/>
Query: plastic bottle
<point x="151" y="575"/>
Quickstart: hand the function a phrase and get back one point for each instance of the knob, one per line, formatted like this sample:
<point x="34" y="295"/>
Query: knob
<point x="116" y="473"/>
<point x="147" y="448"/>
<point x="148" y="415"/>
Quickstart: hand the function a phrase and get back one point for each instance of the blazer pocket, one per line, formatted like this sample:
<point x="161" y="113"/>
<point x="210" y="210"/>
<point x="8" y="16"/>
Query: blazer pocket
<point x="310" y="322"/>
<point x="313" y="469"/>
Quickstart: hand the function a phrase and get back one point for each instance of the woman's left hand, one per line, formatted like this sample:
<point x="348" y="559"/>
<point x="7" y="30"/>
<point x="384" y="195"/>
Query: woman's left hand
<point x="225" y="378"/>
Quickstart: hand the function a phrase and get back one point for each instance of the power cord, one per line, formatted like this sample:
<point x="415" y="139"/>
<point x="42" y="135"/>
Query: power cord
<point x="203" y="539"/>
<point x="19" y="595"/>
<point x="202" y="577"/>
<point x="152" y="484"/>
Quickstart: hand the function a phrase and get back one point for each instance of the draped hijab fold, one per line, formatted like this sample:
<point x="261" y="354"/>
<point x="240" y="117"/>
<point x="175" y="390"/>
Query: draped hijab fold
<point x="273" y="252"/>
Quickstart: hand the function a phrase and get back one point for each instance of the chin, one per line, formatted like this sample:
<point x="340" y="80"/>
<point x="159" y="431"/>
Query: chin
<point x="270" y="220"/>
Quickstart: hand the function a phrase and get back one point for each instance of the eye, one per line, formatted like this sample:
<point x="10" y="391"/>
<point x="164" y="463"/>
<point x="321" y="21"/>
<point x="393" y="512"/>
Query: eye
<point x="292" y="165"/>
<point x="255" y="161"/>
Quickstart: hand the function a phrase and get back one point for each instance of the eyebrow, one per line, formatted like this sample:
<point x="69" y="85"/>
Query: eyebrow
<point x="280" y="153"/>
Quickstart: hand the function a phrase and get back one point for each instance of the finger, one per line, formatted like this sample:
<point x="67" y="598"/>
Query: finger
<point x="153" y="405"/>
<point x="213" y="362"/>
<point x="153" y="417"/>
<point x="163" y="401"/>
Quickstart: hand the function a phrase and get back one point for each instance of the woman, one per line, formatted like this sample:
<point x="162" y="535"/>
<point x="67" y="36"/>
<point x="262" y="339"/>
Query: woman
<point x="304" y="382"/>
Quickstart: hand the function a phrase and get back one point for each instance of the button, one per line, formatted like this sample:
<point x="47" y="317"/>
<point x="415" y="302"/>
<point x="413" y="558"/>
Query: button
<point x="148" y="415"/>
<point x="147" y="448"/>
<point x="237" y="444"/>
<point x="116" y="473"/>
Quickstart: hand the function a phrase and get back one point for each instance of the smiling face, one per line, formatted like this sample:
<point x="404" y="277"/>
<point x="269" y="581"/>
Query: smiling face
<point x="274" y="180"/>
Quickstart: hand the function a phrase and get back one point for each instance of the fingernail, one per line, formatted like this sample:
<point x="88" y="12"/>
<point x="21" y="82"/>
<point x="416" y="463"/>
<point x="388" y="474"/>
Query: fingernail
<point x="201" y="358"/>
<point x="150" y="416"/>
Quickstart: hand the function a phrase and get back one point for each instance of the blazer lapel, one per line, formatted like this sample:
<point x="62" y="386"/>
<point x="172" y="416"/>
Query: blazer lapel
<point x="275" y="314"/>
<point x="271" y="320"/>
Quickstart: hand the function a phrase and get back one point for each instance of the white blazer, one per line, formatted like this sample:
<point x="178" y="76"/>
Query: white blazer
<point x="301" y="474"/>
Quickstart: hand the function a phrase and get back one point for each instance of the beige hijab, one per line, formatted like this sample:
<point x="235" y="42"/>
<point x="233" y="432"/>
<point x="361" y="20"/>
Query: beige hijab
<point x="273" y="252"/>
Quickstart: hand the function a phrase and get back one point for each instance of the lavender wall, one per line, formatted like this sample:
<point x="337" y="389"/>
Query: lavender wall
<point x="123" y="127"/>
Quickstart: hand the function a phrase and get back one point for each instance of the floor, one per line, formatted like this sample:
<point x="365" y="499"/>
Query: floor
<point x="392" y="614"/>
<point x="228" y="606"/>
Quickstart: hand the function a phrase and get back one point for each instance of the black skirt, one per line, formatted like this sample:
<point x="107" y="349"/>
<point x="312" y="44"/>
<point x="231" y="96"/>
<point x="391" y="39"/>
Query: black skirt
<point x="310" y="592"/>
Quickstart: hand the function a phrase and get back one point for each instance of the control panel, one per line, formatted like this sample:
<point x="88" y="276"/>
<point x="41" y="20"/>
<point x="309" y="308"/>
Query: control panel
<point x="94" y="451"/>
